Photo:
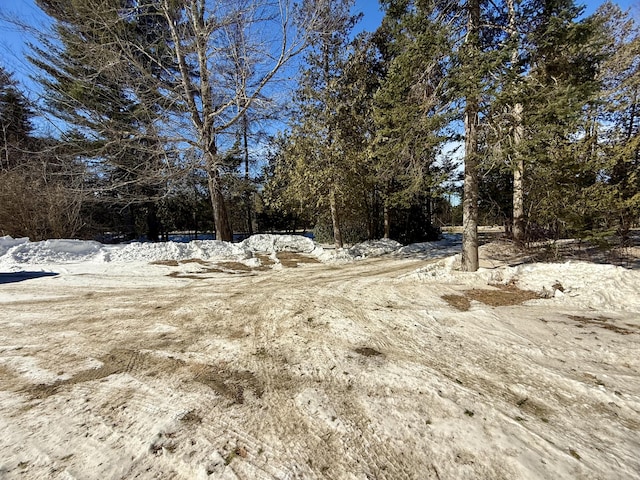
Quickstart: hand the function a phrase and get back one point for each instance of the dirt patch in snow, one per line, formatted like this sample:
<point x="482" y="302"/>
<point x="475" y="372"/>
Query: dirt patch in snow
<point x="285" y="259"/>
<point x="266" y="262"/>
<point x="224" y="380"/>
<point x="175" y="263"/>
<point x="227" y="382"/>
<point x="603" y="322"/>
<point x="116" y="362"/>
<point x="200" y="275"/>
<point x="235" y="266"/>
<point x="293" y="259"/>
<point x="500" y="296"/>
<point x="368" y="352"/>
<point x="459" y="302"/>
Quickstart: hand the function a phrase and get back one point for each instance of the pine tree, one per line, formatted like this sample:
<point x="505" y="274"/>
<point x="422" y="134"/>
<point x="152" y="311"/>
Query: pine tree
<point x="410" y="113"/>
<point x="563" y="54"/>
<point x="546" y="75"/>
<point x="615" y="131"/>
<point x="470" y="58"/>
<point x="15" y="121"/>
<point x="114" y="116"/>
<point x="314" y="159"/>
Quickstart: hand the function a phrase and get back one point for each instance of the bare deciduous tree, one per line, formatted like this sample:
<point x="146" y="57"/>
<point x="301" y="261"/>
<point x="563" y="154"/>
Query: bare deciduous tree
<point x="207" y="83"/>
<point x="176" y="72"/>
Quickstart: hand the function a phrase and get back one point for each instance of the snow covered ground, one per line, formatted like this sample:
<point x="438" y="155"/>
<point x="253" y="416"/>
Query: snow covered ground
<point x="216" y="360"/>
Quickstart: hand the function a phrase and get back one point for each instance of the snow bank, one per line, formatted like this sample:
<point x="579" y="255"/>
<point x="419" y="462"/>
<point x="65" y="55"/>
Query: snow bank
<point x="15" y="252"/>
<point x="204" y="249"/>
<point x="7" y="242"/>
<point x="448" y="245"/>
<point x="23" y="252"/>
<point x="53" y="251"/>
<point x="374" y="248"/>
<point x="279" y="243"/>
<point x="588" y="284"/>
<point x="576" y="284"/>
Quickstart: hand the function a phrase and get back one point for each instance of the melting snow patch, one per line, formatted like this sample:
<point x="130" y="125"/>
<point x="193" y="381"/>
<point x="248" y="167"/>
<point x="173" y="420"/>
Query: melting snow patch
<point x="279" y="243"/>
<point x="53" y="251"/>
<point x="374" y="248"/>
<point x="583" y="284"/>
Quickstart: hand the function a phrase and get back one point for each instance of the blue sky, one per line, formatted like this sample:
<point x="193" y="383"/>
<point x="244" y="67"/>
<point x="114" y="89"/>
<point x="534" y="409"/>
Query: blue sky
<point x="13" y="40"/>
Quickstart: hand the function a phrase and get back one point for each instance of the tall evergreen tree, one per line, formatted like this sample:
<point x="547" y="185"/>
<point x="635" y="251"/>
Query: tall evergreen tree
<point x="15" y="121"/>
<point x="410" y="112"/>
<point x="114" y="115"/>
<point x="562" y="55"/>
<point x="614" y="131"/>
<point x="316" y="162"/>
<point x="471" y="52"/>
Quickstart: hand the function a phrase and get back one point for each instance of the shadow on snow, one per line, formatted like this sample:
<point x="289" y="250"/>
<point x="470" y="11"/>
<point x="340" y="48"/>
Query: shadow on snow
<point x="22" y="276"/>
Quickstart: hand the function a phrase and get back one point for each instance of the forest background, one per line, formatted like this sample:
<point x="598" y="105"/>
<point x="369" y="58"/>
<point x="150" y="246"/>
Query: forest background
<point x="130" y="119"/>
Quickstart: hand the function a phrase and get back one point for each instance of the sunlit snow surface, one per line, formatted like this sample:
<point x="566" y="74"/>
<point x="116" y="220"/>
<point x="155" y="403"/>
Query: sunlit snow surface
<point x="20" y="251"/>
<point x="208" y="359"/>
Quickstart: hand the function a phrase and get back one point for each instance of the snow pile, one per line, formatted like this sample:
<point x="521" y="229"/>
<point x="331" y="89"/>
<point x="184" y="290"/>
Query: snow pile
<point x="53" y="251"/>
<point x="79" y="251"/>
<point x="14" y="252"/>
<point x="7" y="242"/>
<point x="360" y="251"/>
<point x="588" y="284"/>
<point x="373" y="248"/>
<point x="204" y="249"/>
<point x="448" y="245"/>
<point x="584" y="284"/>
<point x="280" y="243"/>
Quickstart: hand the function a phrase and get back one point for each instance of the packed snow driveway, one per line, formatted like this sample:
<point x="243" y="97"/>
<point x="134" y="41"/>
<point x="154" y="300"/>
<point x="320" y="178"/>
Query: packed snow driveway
<point x="245" y="367"/>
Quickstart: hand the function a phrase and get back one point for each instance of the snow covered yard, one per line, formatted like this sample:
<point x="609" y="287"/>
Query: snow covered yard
<point x="212" y="360"/>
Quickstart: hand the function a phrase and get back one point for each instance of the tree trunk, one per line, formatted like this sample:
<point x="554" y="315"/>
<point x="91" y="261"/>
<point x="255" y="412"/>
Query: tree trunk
<point x="387" y="221"/>
<point x="470" y="261"/>
<point x="337" y="234"/>
<point x="153" y="224"/>
<point x="220" y="215"/>
<point x="518" y="225"/>
<point x="248" y="195"/>
<point x="518" y="231"/>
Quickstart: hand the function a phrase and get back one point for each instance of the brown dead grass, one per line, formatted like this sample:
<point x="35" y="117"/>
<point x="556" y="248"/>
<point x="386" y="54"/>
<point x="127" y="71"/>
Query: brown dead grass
<point x="500" y="296"/>
<point x="601" y="322"/>
<point x="293" y="259"/>
<point x="175" y="263"/>
<point x="195" y="276"/>
<point x="459" y="302"/>
<point x="265" y="262"/>
<point x="225" y="381"/>
<point x="195" y="260"/>
<point x="228" y="383"/>
<point x="166" y="263"/>
<point x="287" y="259"/>
<point x="235" y="266"/>
<point x="115" y="362"/>
<point x="368" y="352"/>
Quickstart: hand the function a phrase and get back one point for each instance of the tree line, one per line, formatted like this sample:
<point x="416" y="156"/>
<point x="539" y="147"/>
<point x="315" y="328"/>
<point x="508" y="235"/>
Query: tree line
<point x="187" y="115"/>
<point x="538" y="101"/>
